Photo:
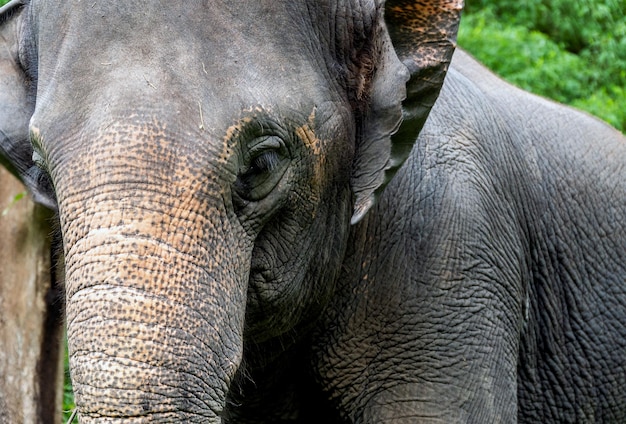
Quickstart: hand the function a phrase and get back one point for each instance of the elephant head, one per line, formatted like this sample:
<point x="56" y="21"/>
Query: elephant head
<point x="205" y="159"/>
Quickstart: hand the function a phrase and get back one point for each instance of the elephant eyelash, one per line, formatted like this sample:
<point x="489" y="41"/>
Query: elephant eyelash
<point x="261" y="164"/>
<point x="267" y="161"/>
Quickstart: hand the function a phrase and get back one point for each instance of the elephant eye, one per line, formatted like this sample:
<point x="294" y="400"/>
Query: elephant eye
<point x="264" y="165"/>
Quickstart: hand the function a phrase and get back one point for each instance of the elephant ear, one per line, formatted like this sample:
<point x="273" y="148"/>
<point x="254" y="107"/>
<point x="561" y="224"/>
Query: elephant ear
<point x="421" y="34"/>
<point x="17" y="105"/>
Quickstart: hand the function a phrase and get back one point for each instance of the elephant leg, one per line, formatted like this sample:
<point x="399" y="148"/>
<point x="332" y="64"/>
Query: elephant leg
<point x="381" y="370"/>
<point x="31" y="371"/>
<point x="424" y="326"/>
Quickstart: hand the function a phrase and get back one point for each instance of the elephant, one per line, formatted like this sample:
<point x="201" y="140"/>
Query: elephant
<point x="315" y="211"/>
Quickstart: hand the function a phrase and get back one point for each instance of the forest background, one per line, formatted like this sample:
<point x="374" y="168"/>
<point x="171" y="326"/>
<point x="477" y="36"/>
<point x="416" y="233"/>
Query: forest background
<point x="572" y="51"/>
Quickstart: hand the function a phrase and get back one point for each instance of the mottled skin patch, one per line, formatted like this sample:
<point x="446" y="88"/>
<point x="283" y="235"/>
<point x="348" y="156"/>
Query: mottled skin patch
<point x="230" y="139"/>
<point x="424" y="21"/>
<point x="424" y="33"/>
<point x="306" y="134"/>
<point x="308" y="137"/>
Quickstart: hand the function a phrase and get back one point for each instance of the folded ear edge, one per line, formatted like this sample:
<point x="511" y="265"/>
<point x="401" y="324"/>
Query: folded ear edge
<point x="8" y="10"/>
<point x="422" y="36"/>
<point x="16" y="109"/>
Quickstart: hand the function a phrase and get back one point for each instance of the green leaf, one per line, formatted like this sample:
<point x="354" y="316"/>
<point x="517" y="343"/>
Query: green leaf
<point x="16" y="198"/>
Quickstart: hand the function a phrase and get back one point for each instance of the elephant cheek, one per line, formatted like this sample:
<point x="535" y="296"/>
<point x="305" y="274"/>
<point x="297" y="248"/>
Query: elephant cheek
<point x="155" y="318"/>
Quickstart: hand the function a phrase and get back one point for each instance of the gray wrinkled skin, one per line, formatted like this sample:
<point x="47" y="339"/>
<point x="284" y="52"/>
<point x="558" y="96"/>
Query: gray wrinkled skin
<point x="206" y="163"/>
<point x="489" y="283"/>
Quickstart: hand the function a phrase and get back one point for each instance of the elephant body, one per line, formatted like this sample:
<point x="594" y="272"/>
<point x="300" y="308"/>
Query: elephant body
<point x="263" y="221"/>
<point x="492" y="273"/>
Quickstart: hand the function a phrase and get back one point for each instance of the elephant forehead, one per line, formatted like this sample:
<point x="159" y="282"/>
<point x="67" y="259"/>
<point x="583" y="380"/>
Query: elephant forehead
<point x="202" y="100"/>
<point x="197" y="66"/>
<point x="220" y="45"/>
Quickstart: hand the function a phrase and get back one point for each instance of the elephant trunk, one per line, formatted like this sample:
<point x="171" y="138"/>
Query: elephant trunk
<point x="156" y="289"/>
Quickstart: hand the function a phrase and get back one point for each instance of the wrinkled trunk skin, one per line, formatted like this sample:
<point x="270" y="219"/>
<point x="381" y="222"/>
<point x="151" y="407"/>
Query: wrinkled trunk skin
<point x="151" y="334"/>
<point x="156" y="279"/>
<point x="31" y="370"/>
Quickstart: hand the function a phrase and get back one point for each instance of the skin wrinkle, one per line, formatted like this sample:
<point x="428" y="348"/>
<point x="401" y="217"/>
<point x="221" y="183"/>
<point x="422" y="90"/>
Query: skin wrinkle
<point x="350" y="27"/>
<point x="166" y="372"/>
<point x="153" y="389"/>
<point x="163" y="393"/>
<point x="163" y="409"/>
<point x="180" y="374"/>
<point x="548" y="312"/>
<point x="176" y="372"/>
<point x="166" y="301"/>
<point x="145" y="255"/>
<point x="164" y="366"/>
<point x="278" y="272"/>
<point x="452" y="230"/>
<point x="167" y="327"/>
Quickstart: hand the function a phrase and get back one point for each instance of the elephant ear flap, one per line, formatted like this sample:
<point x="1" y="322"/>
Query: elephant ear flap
<point x="421" y="35"/>
<point x="16" y="107"/>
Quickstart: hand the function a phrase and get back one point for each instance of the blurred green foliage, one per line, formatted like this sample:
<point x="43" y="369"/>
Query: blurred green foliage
<point x="573" y="51"/>
<point x="68" y="393"/>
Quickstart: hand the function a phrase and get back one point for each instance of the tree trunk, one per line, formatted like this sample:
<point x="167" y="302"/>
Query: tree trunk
<point x="31" y="304"/>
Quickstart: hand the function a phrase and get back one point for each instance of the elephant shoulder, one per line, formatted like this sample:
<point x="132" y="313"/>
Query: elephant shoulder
<point x="551" y="163"/>
<point x="542" y="139"/>
<point x="541" y="123"/>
